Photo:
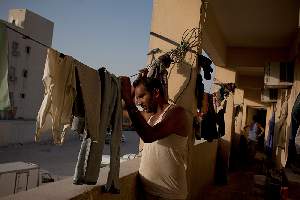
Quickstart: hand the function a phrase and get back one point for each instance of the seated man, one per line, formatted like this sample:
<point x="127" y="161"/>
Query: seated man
<point x="164" y="129"/>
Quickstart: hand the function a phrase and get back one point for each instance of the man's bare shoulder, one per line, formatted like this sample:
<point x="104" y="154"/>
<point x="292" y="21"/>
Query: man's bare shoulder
<point x="178" y="117"/>
<point x="146" y="115"/>
<point x="177" y="112"/>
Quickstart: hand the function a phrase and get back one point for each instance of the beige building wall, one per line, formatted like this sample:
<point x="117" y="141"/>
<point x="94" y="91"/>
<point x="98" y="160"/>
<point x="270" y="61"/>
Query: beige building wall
<point x="238" y="101"/>
<point x="257" y="58"/>
<point x="254" y="57"/>
<point x="26" y="60"/>
<point x="213" y="40"/>
<point x="226" y="75"/>
<point x="170" y="18"/>
<point x="33" y="25"/>
<point x="26" y="92"/>
<point x="27" y="56"/>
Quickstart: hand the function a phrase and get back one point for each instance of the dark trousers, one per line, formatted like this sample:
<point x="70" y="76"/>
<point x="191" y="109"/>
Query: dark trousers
<point x="295" y="125"/>
<point x="292" y="147"/>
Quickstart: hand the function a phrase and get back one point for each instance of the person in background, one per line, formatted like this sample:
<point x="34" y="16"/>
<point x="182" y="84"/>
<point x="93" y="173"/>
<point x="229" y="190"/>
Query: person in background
<point x="164" y="129"/>
<point x="255" y="131"/>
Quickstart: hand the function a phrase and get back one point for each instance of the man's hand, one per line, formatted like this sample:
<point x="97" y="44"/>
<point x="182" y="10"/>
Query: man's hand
<point x="126" y="90"/>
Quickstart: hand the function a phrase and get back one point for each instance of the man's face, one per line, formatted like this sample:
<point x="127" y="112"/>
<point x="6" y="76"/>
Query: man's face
<point x="145" y="99"/>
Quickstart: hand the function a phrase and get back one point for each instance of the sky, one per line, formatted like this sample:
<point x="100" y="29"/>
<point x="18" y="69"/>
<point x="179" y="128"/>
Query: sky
<point x="99" y="33"/>
<point x="109" y="33"/>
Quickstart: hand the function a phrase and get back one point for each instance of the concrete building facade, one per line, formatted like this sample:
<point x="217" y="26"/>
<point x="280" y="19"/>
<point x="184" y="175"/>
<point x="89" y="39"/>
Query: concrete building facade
<point x="28" y="36"/>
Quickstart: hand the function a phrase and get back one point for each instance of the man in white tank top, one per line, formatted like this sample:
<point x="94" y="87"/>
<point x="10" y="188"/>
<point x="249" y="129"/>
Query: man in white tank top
<point x="164" y="129"/>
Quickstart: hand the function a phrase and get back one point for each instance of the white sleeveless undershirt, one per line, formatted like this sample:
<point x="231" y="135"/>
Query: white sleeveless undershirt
<point x="163" y="165"/>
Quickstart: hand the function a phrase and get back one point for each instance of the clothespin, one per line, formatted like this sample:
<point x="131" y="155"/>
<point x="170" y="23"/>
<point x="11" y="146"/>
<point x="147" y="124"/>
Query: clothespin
<point x="61" y="55"/>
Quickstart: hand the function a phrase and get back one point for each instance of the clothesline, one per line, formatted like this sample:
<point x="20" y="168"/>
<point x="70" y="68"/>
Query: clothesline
<point x="25" y="36"/>
<point x="30" y="38"/>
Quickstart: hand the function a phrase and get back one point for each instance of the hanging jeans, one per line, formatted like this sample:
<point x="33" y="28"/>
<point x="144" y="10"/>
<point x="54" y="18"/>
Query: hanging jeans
<point x="109" y="114"/>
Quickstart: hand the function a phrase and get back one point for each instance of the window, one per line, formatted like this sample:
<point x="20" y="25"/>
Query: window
<point x="28" y="49"/>
<point x="286" y="71"/>
<point x="22" y="95"/>
<point x="12" y="74"/>
<point x="25" y="73"/>
<point x="273" y="94"/>
<point x="15" y="47"/>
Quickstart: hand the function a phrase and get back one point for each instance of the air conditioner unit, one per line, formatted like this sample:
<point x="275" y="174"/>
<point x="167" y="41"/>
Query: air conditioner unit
<point x="18" y="176"/>
<point x="269" y="95"/>
<point x="279" y="75"/>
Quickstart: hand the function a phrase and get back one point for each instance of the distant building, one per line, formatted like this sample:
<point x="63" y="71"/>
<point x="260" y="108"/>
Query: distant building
<point x="27" y="36"/>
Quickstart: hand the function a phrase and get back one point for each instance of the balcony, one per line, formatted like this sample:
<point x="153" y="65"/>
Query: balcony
<point x="203" y="157"/>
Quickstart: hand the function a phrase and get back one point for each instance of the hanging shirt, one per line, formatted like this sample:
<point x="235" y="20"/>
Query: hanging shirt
<point x="60" y="91"/>
<point x="163" y="165"/>
<point x="4" y="92"/>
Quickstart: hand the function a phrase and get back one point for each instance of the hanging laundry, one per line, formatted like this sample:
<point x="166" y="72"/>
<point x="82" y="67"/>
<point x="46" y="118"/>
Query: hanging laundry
<point x="199" y="92"/>
<point x="158" y="70"/>
<point x="295" y="123"/>
<point x="60" y="91"/>
<point x="280" y="130"/>
<point x="205" y="103"/>
<point x="224" y="90"/>
<point x="205" y="63"/>
<point x="74" y="90"/>
<point x="110" y="114"/>
<point x="88" y="105"/>
<point x="78" y="111"/>
<point x="297" y="141"/>
<point x="269" y="142"/>
<point x="202" y="108"/>
<point x="4" y="92"/>
<point x="208" y="123"/>
<point x="221" y="120"/>
<point x="217" y="99"/>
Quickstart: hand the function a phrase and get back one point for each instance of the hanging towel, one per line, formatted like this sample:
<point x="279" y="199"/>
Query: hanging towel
<point x="4" y="92"/>
<point x="60" y="91"/>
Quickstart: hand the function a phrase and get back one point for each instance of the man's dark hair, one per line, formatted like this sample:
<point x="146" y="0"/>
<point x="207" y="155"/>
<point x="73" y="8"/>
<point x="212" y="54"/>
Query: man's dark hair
<point x="150" y="84"/>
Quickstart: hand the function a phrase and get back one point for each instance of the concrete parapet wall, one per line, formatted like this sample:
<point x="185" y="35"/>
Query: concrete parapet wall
<point x="202" y="175"/>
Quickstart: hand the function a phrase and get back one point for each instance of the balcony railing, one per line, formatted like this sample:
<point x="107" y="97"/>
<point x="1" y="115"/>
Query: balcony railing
<point x="200" y="173"/>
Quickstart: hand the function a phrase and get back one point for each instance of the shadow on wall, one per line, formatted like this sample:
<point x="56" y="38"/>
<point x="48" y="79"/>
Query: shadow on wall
<point x="180" y="75"/>
<point x="222" y="162"/>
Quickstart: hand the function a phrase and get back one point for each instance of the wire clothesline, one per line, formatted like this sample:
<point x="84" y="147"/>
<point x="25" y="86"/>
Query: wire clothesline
<point x="191" y="38"/>
<point x="25" y="36"/>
